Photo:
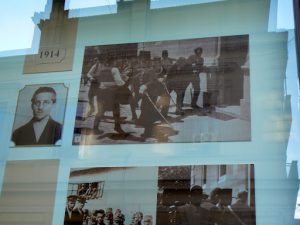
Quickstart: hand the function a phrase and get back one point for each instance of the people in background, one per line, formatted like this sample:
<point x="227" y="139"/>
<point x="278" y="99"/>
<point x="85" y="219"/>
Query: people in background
<point x="196" y="61"/>
<point x="93" y="76"/>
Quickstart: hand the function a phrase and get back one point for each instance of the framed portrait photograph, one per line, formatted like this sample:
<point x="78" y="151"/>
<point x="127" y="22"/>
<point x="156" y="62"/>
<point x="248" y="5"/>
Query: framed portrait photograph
<point x="190" y="90"/>
<point x="39" y="116"/>
<point x="167" y="195"/>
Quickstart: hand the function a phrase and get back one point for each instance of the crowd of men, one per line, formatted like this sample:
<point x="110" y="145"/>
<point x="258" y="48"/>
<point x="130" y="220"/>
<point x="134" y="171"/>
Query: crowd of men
<point x="143" y="83"/>
<point x="193" y="207"/>
<point x="176" y="207"/>
<point x="88" y="190"/>
<point x="77" y="214"/>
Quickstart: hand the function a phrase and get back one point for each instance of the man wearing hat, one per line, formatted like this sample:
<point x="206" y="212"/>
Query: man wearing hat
<point x="166" y="61"/>
<point x="196" y="61"/>
<point x="71" y="217"/>
<point x="178" y="79"/>
<point x="193" y="213"/>
<point x="242" y="210"/>
<point x="151" y="89"/>
<point x="79" y="211"/>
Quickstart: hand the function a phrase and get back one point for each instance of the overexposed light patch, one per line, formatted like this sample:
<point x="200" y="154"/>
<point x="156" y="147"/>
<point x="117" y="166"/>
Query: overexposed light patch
<point x="16" y="25"/>
<point x="157" y="4"/>
<point x="285" y="16"/>
<point x="79" y="4"/>
<point x="79" y="8"/>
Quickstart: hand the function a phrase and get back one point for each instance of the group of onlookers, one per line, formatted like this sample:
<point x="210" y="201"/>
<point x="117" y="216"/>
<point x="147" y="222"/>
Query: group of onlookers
<point x="143" y="83"/>
<point x="193" y="207"/>
<point x="77" y="214"/>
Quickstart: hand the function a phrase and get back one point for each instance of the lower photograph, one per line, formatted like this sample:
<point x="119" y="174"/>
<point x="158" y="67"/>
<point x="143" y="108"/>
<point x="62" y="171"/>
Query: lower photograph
<point x="163" y="195"/>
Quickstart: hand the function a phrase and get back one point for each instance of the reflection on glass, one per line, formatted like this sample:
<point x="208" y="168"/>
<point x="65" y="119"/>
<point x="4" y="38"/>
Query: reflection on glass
<point x="168" y="195"/>
<point x="156" y="4"/>
<point x="78" y="8"/>
<point x="19" y="22"/>
<point x="78" y="4"/>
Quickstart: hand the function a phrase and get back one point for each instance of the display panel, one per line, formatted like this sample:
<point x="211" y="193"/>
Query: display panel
<point x="39" y="115"/>
<point x="271" y="145"/>
<point x="56" y="46"/>
<point x="171" y="195"/>
<point x="191" y="90"/>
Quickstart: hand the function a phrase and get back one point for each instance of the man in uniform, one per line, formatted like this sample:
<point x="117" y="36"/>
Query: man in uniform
<point x="151" y="89"/>
<point x="242" y="211"/>
<point x="196" y="61"/>
<point x="166" y="61"/>
<point x="178" y="79"/>
<point x="119" y="217"/>
<point x="193" y="213"/>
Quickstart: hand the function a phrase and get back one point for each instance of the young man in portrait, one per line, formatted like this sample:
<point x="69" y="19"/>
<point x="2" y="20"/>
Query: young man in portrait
<point x="41" y="129"/>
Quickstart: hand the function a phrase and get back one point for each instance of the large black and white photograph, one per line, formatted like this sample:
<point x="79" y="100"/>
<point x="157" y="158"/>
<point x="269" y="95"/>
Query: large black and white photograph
<point x="206" y="195"/>
<point x="171" y="195"/>
<point x="39" y="116"/>
<point x="128" y="196"/>
<point x="191" y="90"/>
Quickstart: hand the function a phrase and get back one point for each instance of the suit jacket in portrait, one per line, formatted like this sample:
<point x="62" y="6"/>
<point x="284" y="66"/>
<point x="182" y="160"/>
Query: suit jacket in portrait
<point x="25" y="135"/>
<point x="76" y="218"/>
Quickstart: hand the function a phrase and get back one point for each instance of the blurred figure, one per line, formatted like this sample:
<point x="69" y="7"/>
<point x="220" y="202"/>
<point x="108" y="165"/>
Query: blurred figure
<point x="119" y="218"/>
<point x="113" y="92"/>
<point x="109" y="215"/>
<point x="151" y="89"/>
<point x="242" y="210"/>
<point x="178" y="79"/>
<point x="137" y="218"/>
<point x="166" y="62"/>
<point x="106" y="220"/>
<point x="82" y="189"/>
<point x="80" y="205"/>
<point x="148" y="220"/>
<point x="71" y="217"/>
<point x="213" y="199"/>
<point x="211" y="205"/>
<point x="79" y="211"/>
<point x="93" y="77"/>
<point x="193" y="213"/>
<point x="92" y="191"/>
<point x="99" y="216"/>
<point x="225" y="215"/>
<point x="196" y="61"/>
